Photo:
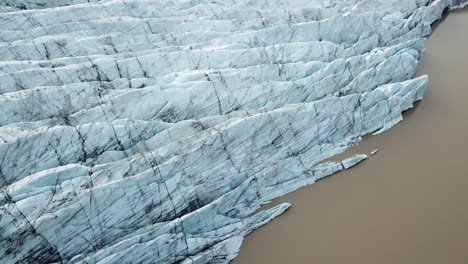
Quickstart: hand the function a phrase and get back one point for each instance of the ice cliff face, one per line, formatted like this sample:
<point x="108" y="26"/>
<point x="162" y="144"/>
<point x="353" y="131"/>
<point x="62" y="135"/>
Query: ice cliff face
<point x="136" y="131"/>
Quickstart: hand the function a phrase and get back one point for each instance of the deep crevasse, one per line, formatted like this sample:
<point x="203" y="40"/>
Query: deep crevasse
<point x="150" y="132"/>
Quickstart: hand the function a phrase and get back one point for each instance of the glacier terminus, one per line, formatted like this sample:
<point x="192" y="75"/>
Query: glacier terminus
<point x="138" y="131"/>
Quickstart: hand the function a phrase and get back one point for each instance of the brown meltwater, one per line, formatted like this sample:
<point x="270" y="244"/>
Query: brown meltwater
<point x="407" y="204"/>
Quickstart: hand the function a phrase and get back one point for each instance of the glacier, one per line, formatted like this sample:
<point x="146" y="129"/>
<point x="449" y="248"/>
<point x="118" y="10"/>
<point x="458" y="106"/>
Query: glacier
<point x="137" y="131"/>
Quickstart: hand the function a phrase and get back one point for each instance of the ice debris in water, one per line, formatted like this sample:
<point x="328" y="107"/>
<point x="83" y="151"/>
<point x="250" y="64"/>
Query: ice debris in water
<point x="136" y="131"/>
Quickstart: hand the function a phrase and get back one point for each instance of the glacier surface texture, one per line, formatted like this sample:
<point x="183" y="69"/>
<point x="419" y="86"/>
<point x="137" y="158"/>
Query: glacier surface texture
<point x="138" y="131"/>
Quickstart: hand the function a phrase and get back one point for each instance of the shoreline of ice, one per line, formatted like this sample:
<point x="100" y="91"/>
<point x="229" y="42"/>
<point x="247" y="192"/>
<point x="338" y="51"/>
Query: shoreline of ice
<point x="137" y="132"/>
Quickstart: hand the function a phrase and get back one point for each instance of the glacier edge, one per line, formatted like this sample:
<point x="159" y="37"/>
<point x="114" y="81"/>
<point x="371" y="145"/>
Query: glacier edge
<point x="153" y="133"/>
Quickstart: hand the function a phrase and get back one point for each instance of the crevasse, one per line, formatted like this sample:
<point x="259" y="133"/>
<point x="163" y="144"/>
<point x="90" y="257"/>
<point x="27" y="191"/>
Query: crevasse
<point x="135" y="131"/>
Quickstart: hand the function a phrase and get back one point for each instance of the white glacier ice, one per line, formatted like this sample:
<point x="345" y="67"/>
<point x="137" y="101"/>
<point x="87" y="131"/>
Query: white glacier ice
<point x="353" y="160"/>
<point x="136" y="131"/>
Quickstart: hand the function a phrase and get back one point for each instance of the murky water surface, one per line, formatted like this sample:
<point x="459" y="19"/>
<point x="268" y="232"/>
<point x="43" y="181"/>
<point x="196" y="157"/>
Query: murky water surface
<point x="406" y="204"/>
